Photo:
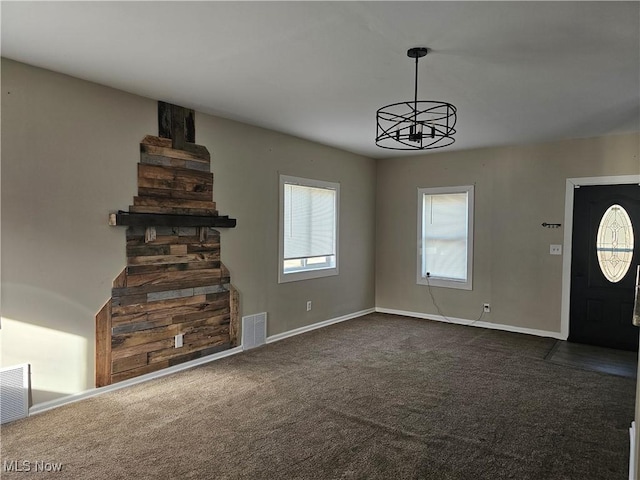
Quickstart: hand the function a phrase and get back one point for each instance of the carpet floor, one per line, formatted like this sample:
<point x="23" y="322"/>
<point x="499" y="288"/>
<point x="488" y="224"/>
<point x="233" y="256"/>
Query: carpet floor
<point x="378" y="397"/>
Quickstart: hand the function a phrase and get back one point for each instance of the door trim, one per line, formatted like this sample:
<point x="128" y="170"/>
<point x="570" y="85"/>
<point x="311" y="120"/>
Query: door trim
<point x="572" y="184"/>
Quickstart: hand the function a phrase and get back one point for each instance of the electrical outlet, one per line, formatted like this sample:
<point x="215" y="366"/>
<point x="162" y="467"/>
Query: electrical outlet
<point x="555" y="249"/>
<point x="486" y="308"/>
<point x="309" y="306"/>
<point x="179" y="339"/>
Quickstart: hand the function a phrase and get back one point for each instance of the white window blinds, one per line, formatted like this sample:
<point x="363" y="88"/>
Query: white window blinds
<point x="309" y="221"/>
<point x="445" y="235"/>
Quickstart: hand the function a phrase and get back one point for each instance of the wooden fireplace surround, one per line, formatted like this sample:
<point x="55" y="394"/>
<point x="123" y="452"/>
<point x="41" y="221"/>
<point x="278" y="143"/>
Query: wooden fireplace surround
<point x="174" y="282"/>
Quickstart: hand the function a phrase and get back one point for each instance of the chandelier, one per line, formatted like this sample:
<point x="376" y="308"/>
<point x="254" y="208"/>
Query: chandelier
<point x="417" y="124"/>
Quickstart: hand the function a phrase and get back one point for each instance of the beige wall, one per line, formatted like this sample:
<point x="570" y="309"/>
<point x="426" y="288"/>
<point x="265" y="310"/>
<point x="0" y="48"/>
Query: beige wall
<point x="516" y="189"/>
<point x="69" y="155"/>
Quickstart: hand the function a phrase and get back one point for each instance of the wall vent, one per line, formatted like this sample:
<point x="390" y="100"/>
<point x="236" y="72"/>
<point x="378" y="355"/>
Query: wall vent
<point x="254" y="330"/>
<point x="14" y="393"/>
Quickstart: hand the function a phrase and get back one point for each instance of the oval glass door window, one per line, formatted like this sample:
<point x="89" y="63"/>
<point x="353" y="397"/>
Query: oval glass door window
<point x="614" y="243"/>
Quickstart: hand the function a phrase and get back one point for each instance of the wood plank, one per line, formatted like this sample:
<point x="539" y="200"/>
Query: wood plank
<point x="176" y="174"/>
<point x="159" y="220"/>
<point x="138" y="326"/>
<point x="168" y="210"/>
<point x="189" y="152"/>
<point x="178" y="115"/>
<point x="163" y="259"/>
<point x="165" y="295"/>
<point x="211" y="289"/>
<point x="171" y="314"/>
<point x="142" y="348"/>
<point x="199" y="353"/>
<point x="132" y="339"/>
<point x="205" y="195"/>
<point x="203" y="247"/>
<point x="212" y="313"/>
<point x="157" y="141"/>
<point x="172" y="267"/>
<point x="156" y="278"/>
<point x="212" y="241"/>
<point x="234" y="324"/>
<point x="135" y="372"/>
<point x="165" y="123"/>
<point x="201" y="165"/>
<point x="198" y="346"/>
<point x="173" y="185"/>
<point x="173" y="203"/>
<point x="157" y="306"/>
<point x="122" y="300"/>
<point x="202" y="284"/>
<point x="180" y="249"/>
<point x="121" y="279"/>
<point x="190" y="146"/>
<point x="136" y="317"/>
<point x="150" y="249"/>
<point x="103" y="346"/>
<point x="205" y="340"/>
<point x="128" y="363"/>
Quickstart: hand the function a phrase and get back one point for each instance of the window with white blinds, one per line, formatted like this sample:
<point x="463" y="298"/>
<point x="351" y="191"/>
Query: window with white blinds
<point x="445" y="236"/>
<point x="308" y="228"/>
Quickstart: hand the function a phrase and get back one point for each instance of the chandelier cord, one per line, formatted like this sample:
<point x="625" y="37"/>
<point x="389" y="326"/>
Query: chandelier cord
<point x="415" y="98"/>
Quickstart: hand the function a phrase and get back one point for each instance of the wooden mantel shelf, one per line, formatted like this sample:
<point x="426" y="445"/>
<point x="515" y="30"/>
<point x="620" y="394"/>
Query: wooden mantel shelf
<point x="131" y="219"/>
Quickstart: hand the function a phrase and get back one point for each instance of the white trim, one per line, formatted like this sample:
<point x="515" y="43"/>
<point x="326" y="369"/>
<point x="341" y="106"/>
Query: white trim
<point x="473" y="323"/>
<point x="58" y="402"/>
<point x="572" y="184"/>
<point x="314" y="326"/>
<point x="446" y="282"/>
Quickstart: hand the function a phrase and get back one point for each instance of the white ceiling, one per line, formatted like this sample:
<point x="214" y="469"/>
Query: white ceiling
<point x="518" y="72"/>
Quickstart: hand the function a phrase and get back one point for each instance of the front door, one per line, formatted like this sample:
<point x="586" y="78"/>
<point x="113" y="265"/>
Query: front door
<point x="605" y="252"/>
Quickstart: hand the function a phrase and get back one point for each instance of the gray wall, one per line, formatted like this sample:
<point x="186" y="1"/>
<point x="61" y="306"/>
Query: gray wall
<point x="516" y="189"/>
<point x="69" y="155"/>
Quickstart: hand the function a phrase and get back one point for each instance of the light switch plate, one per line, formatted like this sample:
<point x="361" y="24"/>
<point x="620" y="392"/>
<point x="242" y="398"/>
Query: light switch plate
<point x="555" y="249"/>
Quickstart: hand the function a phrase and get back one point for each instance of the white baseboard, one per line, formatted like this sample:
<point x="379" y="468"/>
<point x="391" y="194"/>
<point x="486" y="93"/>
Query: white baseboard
<point x="314" y="326"/>
<point x="472" y="323"/>
<point x="58" y="402"/>
<point x="43" y="407"/>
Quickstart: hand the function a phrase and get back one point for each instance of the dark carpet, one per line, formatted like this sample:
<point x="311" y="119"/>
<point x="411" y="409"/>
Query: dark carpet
<point x="379" y="397"/>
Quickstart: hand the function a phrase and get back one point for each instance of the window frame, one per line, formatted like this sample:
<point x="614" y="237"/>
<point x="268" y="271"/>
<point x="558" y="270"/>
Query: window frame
<point x="440" y="281"/>
<point x="306" y="274"/>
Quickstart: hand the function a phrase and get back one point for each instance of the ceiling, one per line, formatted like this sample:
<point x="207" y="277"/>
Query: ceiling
<point x="518" y="72"/>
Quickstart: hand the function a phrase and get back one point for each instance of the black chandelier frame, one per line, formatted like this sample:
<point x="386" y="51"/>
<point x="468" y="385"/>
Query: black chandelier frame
<point x="417" y="124"/>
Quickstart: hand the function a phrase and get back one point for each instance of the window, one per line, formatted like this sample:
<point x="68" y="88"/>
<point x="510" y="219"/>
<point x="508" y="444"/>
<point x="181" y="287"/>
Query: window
<point x="445" y="237"/>
<point x="614" y="244"/>
<point x="308" y="228"/>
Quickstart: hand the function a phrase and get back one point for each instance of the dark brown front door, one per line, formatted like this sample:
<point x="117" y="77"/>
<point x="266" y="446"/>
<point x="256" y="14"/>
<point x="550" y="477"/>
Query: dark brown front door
<point x="603" y="265"/>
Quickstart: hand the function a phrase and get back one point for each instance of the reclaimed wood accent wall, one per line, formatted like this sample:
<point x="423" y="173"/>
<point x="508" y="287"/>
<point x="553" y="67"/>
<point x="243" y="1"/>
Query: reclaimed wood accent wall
<point x="174" y="282"/>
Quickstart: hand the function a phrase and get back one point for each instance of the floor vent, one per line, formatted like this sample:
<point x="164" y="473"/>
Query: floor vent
<point x="254" y="330"/>
<point x="14" y="393"/>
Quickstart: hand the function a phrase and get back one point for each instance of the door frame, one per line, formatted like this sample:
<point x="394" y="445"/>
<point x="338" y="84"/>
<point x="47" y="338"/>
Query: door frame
<point x="572" y="184"/>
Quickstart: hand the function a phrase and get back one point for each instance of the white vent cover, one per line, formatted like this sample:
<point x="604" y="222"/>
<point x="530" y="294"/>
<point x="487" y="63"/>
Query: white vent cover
<point x="254" y="330"/>
<point x="14" y="393"/>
